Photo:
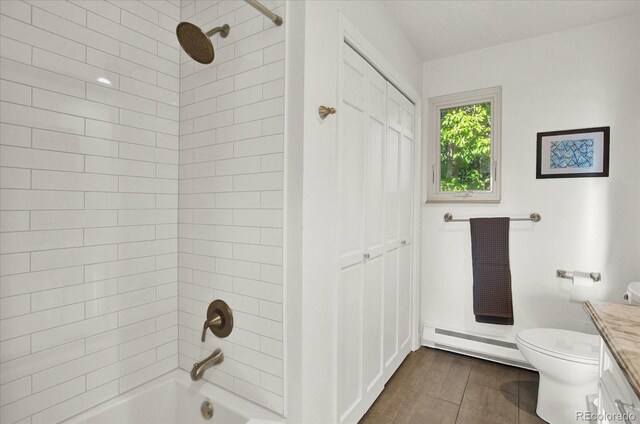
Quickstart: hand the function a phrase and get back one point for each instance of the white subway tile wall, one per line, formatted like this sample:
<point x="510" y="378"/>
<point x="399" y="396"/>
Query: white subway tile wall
<point x="89" y="203"/>
<point x="231" y="197"/>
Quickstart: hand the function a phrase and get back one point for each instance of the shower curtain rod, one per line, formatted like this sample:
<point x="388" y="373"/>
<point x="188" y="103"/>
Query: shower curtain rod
<point x="535" y="217"/>
<point x="266" y="12"/>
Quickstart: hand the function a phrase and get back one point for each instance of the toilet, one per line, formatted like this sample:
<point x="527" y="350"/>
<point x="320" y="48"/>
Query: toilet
<point x="568" y="365"/>
<point x="633" y="293"/>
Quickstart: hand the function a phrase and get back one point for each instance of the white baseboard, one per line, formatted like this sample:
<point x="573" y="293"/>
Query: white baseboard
<point x="489" y="348"/>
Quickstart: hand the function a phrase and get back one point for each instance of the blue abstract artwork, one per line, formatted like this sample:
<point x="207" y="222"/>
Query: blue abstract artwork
<point x="571" y="153"/>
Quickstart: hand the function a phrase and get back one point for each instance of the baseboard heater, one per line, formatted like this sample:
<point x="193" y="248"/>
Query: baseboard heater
<point x="483" y="347"/>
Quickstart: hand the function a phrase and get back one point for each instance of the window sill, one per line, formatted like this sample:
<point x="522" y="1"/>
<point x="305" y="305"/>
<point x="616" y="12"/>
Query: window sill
<point x="474" y="198"/>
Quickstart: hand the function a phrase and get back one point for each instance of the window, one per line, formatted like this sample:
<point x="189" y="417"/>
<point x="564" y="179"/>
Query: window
<point x="464" y="147"/>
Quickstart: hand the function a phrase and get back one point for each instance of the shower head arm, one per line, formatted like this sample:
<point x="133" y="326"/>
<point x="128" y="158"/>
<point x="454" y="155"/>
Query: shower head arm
<point x="223" y="30"/>
<point x="276" y="19"/>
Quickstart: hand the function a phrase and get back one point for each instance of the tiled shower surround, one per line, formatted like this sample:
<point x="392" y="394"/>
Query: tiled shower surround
<point x="101" y="171"/>
<point x="231" y="197"/>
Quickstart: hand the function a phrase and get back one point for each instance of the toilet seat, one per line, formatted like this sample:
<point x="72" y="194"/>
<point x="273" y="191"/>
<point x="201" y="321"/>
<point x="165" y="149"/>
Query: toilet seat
<point x="562" y="344"/>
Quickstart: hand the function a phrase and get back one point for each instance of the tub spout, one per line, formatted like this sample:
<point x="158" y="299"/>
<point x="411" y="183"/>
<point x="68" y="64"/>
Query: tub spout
<point x="200" y="367"/>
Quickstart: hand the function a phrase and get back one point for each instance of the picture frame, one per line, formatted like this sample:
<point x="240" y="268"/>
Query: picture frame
<point x="573" y="153"/>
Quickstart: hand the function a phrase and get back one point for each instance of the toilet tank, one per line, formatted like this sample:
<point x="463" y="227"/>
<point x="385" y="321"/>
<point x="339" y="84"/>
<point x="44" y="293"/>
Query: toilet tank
<point x="633" y="293"/>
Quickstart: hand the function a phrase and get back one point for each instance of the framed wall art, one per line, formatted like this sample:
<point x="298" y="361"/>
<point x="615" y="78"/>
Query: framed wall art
<point x="573" y="153"/>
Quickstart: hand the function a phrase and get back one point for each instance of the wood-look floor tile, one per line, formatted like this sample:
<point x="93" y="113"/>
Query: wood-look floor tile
<point x="397" y="389"/>
<point x="527" y="375"/>
<point x="419" y="408"/>
<point x="435" y="386"/>
<point x="413" y="366"/>
<point x="495" y="376"/>
<point x="484" y="405"/>
<point x="422" y="357"/>
<point x="445" y="378"/>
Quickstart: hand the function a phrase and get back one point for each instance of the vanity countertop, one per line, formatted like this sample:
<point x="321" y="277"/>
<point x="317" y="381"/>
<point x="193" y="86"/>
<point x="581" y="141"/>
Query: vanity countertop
<point x="619" y="326"/>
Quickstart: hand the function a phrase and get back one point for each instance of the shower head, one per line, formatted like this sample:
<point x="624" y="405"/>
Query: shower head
<point x="196" y="43"/>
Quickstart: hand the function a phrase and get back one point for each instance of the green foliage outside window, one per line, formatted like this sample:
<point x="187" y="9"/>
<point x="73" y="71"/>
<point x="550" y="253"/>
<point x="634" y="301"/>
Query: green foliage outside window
<point x="465" y="148"/>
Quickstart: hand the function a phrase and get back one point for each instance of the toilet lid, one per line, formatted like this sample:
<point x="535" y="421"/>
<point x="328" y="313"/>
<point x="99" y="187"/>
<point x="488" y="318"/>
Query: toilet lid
<point x="570" y="345"/>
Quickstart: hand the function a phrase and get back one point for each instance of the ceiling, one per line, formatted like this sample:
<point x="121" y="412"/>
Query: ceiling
<point x="444" y="28"/>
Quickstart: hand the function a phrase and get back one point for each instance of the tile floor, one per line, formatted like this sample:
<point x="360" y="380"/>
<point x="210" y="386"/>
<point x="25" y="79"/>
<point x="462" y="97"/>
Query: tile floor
<point x="433" y="386"/>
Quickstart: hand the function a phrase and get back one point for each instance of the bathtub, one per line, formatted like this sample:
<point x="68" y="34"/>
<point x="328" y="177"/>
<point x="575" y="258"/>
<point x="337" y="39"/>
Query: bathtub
<point x="174" y="399"/>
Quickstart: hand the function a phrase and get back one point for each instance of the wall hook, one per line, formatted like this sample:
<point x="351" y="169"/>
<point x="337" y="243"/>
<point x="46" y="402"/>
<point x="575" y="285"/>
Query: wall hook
<point x="325" y="111"/>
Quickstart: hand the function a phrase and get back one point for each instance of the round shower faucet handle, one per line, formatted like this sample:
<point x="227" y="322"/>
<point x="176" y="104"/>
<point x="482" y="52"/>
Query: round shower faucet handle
<point x="219" y="320"/>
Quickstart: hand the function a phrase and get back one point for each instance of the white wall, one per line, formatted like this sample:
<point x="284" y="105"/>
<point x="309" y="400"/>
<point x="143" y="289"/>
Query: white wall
<point x="580" y="78"/>
<point x="231" y="198"/>
<point x="311" y="293"/>
<point x="88" y="207"/>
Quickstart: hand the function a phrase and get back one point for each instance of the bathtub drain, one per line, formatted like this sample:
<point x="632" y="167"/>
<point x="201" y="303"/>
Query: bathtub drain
<point x="206" y="409"/>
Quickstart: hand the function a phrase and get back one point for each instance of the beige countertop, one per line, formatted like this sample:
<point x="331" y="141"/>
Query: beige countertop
<point x="619" y="326"/>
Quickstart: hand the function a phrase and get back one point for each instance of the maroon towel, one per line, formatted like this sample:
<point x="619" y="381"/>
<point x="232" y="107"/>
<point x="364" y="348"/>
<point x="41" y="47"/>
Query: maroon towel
<point x="491" y="273"/>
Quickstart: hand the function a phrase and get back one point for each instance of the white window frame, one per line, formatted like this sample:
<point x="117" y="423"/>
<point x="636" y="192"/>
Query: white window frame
<point x="492" y="95"/>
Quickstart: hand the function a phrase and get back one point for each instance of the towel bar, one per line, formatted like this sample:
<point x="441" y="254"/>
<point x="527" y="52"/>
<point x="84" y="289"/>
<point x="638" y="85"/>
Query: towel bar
<point x="535" y="217"/>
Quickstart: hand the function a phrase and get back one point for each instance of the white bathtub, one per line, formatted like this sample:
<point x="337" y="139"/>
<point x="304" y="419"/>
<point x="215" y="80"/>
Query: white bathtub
<point x="174" y="399"/>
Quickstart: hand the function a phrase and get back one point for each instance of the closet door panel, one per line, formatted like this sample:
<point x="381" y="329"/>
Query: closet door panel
<point x="375" y="100"/>
<point x="398" y="216"/>
<point x="375" y="185"/>
<point x="352" y="187"/>
<point x="353" y="74"/>
<point x="390" y="339"/>
<point x="393" y="108"/>
<point x="406" y="115"/>
<point x="372" y="307"/>
<point x="350" y="335"/>
<point x="404" y="296"/>
<point x="374" y="232"/>
<point x="405" y="126"/>
<point x="361" y="152"/>
<point x="352" y="150"/>
<point x="391" y="186"/>
<point x="405" y="187"/>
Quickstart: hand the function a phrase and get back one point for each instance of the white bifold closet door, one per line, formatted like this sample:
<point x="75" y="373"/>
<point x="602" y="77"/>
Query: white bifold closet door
<point x="375" y="148"/>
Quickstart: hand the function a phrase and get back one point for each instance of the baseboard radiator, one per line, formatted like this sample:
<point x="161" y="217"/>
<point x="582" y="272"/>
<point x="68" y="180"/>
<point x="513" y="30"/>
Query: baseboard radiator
<point x="483" y="347"/>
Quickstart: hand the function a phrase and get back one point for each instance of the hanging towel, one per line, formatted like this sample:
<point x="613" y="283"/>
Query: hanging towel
<point x="491" y="273"/>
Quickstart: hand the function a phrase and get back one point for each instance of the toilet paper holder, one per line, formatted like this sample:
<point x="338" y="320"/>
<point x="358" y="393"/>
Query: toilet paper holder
<point x="561" y="273"/>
